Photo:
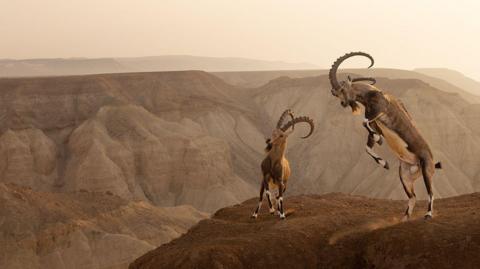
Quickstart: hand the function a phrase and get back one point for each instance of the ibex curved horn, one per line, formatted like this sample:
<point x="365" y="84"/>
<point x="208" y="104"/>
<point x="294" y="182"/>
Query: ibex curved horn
<point x="372" y="80"/>
<point x="332" y="75"/>
<point x="282" y="118"/>
<point x="298" y="120"/>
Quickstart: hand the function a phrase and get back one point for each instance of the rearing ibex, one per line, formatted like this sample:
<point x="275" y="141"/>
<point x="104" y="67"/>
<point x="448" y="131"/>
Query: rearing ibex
<point x="386" y="116"/>
<point x="275" y="167"/>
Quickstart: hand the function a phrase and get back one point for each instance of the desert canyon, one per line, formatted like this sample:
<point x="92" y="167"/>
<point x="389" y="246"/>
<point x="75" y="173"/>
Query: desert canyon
<point x="96" y="170"/>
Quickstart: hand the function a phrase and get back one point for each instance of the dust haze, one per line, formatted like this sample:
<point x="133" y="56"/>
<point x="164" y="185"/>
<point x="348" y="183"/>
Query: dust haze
<point x="401" y="34"/>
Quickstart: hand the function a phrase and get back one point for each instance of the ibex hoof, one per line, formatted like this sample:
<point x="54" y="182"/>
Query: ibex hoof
<point x="254" y="216"/>
<point x="386" y="166"/>
<point x="428" y="216"/>
<point x="282" y="216"/>
<point x="272" y="210"/>
<point x="405" y="218"/>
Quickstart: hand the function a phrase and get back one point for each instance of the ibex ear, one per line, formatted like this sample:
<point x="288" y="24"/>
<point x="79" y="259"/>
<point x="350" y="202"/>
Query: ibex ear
<point x="349" y="81"/>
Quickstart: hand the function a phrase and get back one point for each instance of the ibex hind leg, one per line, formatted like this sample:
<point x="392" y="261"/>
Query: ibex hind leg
<point x="284" y="189"/>
<point x="281" y="211"/>
<point x="428" y="169"/>
<point x="408" y="174"/>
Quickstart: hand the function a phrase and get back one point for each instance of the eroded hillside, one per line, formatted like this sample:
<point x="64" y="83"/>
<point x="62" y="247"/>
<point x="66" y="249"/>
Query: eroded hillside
<point x="161" y="137"/>
<point x="176" y="138"/>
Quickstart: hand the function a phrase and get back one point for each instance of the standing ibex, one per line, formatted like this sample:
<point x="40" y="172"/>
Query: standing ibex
<point x="386" y="116"/>
<point x="275" y="167"/>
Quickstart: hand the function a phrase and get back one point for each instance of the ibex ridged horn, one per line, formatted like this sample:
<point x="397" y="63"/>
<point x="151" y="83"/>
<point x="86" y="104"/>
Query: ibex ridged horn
<point x="372" y="80"/>
<point x="298" y="120"/>
<point x="332" y="75"/>
<point x="283" y="116"/>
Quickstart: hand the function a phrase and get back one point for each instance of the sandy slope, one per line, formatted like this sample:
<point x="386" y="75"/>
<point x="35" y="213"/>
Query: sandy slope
<point x="82" y="229"/>
<point x="329" y="231"/>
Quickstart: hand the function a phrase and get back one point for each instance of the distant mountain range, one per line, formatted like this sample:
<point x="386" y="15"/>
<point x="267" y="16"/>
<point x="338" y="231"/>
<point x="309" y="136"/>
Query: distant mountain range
<point x="83" y="66"/>
<point x="245" y="70"/>
<point x="454" y="77"/>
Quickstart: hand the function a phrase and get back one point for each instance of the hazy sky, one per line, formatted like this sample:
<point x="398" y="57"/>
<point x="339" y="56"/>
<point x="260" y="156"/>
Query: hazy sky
<point x="399" y="34"/>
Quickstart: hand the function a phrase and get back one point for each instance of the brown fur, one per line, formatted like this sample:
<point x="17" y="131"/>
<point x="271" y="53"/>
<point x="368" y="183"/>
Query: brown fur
<point x="387" y="116"/>
<point x="395" y="120"/>
<point x="275" y="167"/>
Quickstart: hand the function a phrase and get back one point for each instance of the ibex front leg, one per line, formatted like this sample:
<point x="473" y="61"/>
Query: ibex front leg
<point x="264" y="188"/>
<point x="374" y="137"/>
<point x="257" y="209"/>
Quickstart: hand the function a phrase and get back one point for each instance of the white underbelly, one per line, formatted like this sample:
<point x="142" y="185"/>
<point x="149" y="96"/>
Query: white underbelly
<point x="397" y="144"/>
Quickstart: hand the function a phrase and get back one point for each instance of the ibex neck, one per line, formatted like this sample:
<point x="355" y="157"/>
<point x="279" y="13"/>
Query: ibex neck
<point x="278" y="151"/>
<point x="362" y="91"/>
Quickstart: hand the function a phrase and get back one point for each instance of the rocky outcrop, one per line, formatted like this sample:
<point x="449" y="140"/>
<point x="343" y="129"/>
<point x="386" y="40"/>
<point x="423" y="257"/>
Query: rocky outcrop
<point x="329" y="231"/>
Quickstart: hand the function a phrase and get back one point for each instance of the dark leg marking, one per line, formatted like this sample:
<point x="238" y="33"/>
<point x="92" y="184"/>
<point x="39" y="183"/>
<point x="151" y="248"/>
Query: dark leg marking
<point x="370" y="152"/>
<point x="373" y="138"/>
<point x="263" y="186"/>
<point x="257" y="209"/>
<point x="284" y="189"/>
<point x="269" y="198"/>
<point x="281" y="187"/>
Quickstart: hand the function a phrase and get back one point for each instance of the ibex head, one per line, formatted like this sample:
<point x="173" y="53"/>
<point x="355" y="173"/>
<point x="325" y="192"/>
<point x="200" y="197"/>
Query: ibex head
<point x="344" y="89"/>
<point x="281" y="132"/>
